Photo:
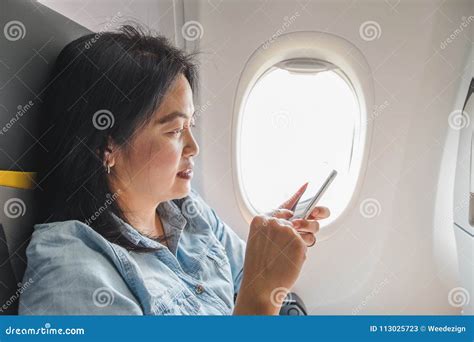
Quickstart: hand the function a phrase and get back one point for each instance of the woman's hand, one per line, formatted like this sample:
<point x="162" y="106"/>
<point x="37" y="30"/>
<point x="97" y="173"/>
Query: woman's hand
<point x="276" y="251"/>
<point x="307" y="228"/>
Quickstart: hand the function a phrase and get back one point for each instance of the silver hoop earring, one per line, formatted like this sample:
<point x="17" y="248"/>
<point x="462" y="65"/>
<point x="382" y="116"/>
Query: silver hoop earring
<point x="108" y="168"/>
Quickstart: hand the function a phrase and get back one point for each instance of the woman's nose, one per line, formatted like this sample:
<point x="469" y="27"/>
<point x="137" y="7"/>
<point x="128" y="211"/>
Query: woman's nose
<point x="192" y="147"/>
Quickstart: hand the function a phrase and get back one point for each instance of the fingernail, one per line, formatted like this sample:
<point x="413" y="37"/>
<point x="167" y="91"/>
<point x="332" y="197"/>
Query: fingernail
<point x="297" y="224"/>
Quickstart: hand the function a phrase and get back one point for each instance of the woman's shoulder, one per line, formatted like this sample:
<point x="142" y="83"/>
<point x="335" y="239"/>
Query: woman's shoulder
<point x="69" y="246"/>
<point x="63" y="230"/>
<point x="71" y="238"/>
<point x="69" y="226"/>
<point x="70" y="267"/>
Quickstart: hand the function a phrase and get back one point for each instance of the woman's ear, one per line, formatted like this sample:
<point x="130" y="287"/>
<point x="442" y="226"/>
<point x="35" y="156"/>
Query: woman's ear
<point x="109" y="157"/>
<point x="110" y="153"/>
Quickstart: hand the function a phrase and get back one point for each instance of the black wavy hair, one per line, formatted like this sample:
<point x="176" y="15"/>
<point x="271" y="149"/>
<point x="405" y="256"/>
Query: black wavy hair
<point x="103" y="86"/>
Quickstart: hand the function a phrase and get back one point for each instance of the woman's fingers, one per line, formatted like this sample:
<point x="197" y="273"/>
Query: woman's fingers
<point x="319" y="213"/>
<point x="309" y="239"/>
<point x="306" y="226"/>
<point x="289" y="204"/>
<point x="307" y="230"/>
<point x="281" y="213"/>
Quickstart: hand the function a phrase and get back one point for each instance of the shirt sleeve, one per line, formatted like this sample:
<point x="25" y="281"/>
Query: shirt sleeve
<point x="67" y="275"/>
<point x="233" y="244"/>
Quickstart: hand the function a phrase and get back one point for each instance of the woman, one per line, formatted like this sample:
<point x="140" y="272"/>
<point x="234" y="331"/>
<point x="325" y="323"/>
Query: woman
<point x="121" y="230"/>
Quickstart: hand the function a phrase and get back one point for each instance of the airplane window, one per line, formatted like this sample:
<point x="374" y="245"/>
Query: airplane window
<point x="299" y="122"/>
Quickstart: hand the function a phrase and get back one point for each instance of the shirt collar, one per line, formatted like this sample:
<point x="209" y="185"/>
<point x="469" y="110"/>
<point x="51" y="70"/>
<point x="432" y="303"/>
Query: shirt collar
<point x="171" y="217"/>
<point x="171" y="213"/>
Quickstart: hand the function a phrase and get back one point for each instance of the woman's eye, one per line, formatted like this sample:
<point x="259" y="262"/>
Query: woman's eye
<point x="177" y="132"/>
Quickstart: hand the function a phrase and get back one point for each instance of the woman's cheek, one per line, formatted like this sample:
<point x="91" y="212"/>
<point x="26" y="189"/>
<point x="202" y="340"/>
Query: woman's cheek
<point x="167" y="157"/>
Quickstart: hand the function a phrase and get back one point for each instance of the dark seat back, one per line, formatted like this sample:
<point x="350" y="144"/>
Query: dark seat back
<point x="31" y="37"/>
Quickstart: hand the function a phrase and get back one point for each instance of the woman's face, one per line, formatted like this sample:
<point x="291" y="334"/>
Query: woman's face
<point x="147" y="167"/>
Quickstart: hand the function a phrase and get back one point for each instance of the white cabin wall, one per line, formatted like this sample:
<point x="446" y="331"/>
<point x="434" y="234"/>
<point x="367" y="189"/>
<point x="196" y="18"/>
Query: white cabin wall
<point x="386" y="264"/>
<point x="447" y="258"/>
<point x="105" y="15"/>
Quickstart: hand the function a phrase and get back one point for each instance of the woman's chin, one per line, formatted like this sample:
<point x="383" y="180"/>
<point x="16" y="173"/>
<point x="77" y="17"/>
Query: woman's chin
<point x="183" y="187"/>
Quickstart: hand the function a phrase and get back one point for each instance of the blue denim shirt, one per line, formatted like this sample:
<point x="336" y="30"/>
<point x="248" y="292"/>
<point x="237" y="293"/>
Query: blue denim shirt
<point x="72" y="270"/>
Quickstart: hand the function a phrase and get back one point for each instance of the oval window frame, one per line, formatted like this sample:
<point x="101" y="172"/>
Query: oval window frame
<point x="326" y="48"/>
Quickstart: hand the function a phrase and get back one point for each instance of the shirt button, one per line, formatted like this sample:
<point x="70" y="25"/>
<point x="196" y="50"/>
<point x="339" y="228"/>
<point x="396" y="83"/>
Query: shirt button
<point x="199" y="289"/>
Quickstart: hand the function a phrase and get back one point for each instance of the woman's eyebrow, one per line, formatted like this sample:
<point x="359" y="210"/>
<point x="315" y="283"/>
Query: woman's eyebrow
<point x="171" y="117"/>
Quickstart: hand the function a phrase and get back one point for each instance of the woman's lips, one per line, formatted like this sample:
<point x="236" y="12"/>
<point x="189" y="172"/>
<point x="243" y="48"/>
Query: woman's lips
<point x="186" y="174"/>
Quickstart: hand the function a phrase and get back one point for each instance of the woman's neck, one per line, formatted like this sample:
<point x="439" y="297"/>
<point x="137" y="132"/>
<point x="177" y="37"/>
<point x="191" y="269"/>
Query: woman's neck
<point x="142" y="216"/>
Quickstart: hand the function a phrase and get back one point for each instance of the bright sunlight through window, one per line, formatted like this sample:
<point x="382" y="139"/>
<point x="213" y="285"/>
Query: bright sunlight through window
<point x="297" y="126"/>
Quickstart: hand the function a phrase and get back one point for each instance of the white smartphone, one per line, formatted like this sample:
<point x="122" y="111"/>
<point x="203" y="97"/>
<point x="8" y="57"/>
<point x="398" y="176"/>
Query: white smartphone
<point x="314" y="201"/>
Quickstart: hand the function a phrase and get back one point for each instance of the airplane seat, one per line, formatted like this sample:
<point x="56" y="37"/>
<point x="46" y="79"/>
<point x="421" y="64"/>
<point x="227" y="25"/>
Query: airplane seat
<point x="32" y="36"/>
<point x="15" y="229"/>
